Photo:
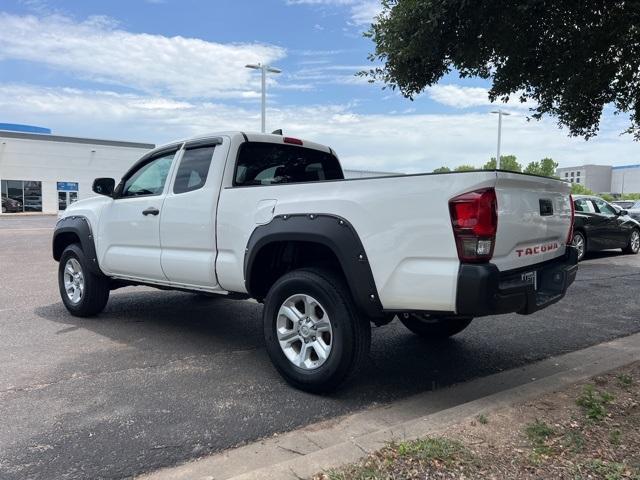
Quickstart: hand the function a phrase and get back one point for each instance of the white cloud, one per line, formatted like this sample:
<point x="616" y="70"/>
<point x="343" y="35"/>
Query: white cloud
<point x="362" y="12"/>
<point x="458" y="96"/>
<point x="96" y="49"/>
<point x="404" y="142"/>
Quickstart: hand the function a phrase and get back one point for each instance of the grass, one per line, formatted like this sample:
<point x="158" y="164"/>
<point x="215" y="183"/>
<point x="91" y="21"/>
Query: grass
<point x="594" y="402"/>
<point x="430" y="449"/>
<point x="625" y="380"/>
<point x="482" y="419"/>
<point x="438" y="452"/>
<point x="574" y="441"/>
<point x="538" y="433"/>
<point x="605" y="471"/>
<point x="614" y="437"/>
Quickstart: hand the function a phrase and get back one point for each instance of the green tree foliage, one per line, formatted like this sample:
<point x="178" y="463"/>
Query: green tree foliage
<point x="508" y="162"/>
<point x="442" y="170"/>
<point x="580" y="189"/>
<point x="464" y="168"/>
<point x="545" y="167"/>
<point x="569" y="57"/>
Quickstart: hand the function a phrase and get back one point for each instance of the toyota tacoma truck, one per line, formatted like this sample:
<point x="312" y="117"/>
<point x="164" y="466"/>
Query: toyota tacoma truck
<point x="272" y="218"/>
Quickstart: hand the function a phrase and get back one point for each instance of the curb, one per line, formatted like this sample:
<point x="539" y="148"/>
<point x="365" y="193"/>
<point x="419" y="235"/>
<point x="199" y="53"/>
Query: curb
<point x="333" y="443"/>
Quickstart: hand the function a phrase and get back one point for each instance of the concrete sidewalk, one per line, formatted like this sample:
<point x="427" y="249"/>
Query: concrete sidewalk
<point x="301" y="453"/>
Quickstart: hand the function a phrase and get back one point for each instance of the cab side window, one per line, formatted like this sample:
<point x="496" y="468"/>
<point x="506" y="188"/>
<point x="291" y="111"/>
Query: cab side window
<point x="603" y="207"/>
<point x="193" y="169"/>
<point x="149" y="179"/>
<point x="584" y="205"/>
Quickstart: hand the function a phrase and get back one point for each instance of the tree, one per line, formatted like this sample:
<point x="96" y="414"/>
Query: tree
<point x="507" y="162"/>
<point x="442" y="170"/>
<point x="464" y="168"/>
<point x="545" y="167"/>
<point x="571" y="58"/>
<point x="580" y="189"/>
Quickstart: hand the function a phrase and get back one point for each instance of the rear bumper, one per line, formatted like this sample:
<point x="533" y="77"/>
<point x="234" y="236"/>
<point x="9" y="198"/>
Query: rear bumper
<point x="484" y="290"/>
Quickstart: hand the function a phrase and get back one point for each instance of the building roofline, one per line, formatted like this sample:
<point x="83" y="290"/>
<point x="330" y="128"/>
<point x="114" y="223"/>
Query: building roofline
<point x="80" y="140"/>
<point x="635" y="165"/>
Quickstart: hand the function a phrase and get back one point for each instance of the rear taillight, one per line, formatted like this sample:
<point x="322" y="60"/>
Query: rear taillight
<point x="573" y="219"/>
<point x="474" y="216"/>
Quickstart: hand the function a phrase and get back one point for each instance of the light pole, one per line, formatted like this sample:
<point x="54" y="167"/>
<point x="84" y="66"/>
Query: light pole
<point x="264" y="69"/>
<point x="500" y="114"/>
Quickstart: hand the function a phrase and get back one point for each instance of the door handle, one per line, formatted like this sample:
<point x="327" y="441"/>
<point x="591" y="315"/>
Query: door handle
<point x="151" y="211"/>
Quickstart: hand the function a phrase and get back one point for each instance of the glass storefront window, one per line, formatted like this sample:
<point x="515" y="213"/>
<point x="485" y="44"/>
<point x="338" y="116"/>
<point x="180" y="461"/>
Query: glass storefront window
<point x="21" y="196"/>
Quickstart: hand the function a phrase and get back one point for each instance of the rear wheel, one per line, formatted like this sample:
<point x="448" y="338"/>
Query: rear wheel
<point x="633" y="246"/>
<point x="83" y="292"/>
<point x="580" y="244"/>
<point x="313" y="334"/>
<point x="431" y="327"/>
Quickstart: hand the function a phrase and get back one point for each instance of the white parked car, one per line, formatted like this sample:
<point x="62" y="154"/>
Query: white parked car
<point x="271" y="217"/>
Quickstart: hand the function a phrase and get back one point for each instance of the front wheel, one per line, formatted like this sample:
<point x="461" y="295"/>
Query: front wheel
<point x="434" y="327"/>
<point x="633" y="246"/>
<point x="313" y="333"/>
<point x="83" y="292"/>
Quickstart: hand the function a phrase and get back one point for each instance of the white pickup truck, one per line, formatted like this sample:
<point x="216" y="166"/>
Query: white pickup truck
<point x="272" y="218"/>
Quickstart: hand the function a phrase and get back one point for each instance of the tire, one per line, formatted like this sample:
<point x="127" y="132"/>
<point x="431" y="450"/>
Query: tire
<point x="580" y="243"/>
<point x="88" y="292"/>
<point x="633" y="247"/>
<point x="434" y="328"/>
<point x="314" y="298"/>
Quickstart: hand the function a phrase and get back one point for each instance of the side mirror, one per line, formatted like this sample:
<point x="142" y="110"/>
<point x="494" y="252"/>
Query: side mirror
<point x="104" y="186"/>
<point x="623" y="212"/>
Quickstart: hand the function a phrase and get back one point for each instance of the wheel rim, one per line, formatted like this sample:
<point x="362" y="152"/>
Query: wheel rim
<point x="578" y="242"/>
<point x="635" y="241"/>
<point x="73" y="281"/>
<point x="304" y="331"/>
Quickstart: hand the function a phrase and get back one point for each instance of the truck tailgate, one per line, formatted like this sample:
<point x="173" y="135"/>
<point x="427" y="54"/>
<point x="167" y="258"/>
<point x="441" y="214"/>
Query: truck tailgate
<point x="534" y="218"/>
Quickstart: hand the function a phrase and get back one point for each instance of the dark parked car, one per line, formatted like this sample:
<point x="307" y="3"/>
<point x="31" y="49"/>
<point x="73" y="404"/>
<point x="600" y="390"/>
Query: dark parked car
<point x="600" y="225"/>
<point x="634" y="210"/>
<point x="623" y="204"/>
<point x="9" y="205"/>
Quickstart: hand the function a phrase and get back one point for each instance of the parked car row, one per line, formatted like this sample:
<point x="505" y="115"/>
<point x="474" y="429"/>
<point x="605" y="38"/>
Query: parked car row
<point x="600" y="225"/>
<point x="631" y="206"/>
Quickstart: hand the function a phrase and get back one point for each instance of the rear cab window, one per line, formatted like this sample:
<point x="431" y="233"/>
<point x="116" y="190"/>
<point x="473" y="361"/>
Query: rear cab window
<point x="262" y="163"/>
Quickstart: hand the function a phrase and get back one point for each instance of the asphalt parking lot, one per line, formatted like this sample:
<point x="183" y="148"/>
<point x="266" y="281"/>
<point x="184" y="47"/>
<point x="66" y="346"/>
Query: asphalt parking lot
<point x="163" y="377"/>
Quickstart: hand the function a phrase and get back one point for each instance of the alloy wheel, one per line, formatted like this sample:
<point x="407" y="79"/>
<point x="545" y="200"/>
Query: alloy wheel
<point x="304" y="331"/>
<point x="634" y="241"/>
<point x="73" y="281"/>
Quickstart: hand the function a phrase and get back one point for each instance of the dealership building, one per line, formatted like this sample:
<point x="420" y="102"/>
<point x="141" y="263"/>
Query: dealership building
<point x="44" y="173"/>
<point x="604" y="178"/>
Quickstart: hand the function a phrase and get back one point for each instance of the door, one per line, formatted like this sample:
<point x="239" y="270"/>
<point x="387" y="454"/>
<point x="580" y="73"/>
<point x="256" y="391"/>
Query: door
<point x="612" y="225"/>
<point x="129" y="239"/>
<point x="595" y="225"/>
<point x="187" y="228"/>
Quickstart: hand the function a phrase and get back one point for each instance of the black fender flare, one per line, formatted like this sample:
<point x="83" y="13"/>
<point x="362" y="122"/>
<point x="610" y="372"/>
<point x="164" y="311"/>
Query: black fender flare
<point x="79" y="226"/>
<point x="332" y="231"/>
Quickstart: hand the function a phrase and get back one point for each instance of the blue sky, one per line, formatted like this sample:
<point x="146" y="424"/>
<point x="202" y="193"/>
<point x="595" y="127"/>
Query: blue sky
<point x="155" y="70"/>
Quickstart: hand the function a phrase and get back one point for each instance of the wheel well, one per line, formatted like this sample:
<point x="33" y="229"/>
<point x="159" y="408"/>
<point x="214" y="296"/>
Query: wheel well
<point x="62" y="241"/>
<point x="279" y="257"/>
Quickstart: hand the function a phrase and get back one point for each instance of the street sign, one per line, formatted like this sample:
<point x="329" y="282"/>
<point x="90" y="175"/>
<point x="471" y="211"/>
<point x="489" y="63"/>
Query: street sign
<point x="67" y="186"/>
